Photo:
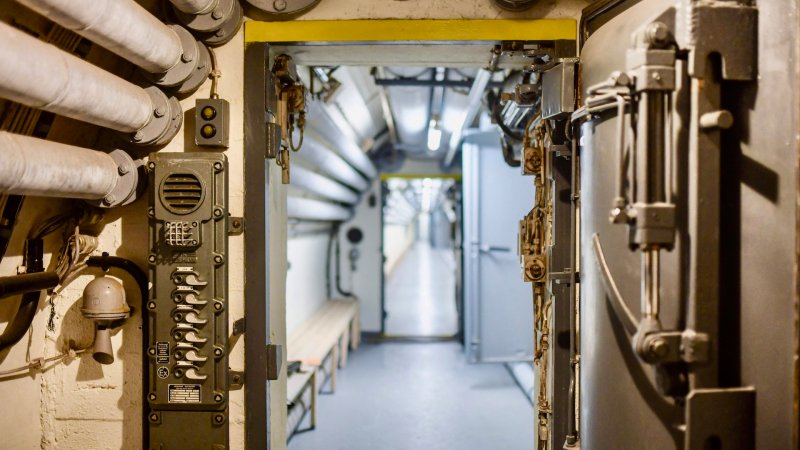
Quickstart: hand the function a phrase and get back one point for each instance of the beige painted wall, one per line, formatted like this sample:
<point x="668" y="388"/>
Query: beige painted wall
<point x="83" y="405"/>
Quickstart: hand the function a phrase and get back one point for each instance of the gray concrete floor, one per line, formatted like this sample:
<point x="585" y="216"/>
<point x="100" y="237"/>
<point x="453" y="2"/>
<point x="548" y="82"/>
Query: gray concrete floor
<point x="420" y="294"/>
<point x="420" y="396"/>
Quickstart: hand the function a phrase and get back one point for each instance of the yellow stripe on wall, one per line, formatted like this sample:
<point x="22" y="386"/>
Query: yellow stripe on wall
<point x="410" y="30"/>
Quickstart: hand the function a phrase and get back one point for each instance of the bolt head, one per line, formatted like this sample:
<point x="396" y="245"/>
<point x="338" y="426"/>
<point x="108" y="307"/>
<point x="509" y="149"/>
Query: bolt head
<point x="658" y="348"/>
<point x="279" y="5"/>
<point x="218" y="352"/>
<point x="160" y="111"/>
<point x="216" y="14"/>
<point x="109" y="199"/>
<point x="186" y="57"/>
<point x="138" y="136"/>
<point x="218" y="165"/>
<point x="657" y="33"/>
<point x="122" y="170"/>
<point x="218" y="259"/>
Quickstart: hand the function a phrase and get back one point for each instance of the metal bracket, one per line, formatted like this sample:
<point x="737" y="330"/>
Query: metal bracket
<point x="239" y="326"/>
<point x="235" y="227"/>
<point x="235" y="380"/>
<point x="274" y="357"/>
<point x="720" y="418"/>
<point x="728" y="29"/>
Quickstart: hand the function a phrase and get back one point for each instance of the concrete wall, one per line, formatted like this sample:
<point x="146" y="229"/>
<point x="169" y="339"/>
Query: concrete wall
<point x="81" y="404"/>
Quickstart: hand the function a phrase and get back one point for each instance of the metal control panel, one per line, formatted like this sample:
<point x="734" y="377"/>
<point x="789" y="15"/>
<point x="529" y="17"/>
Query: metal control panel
<point x="187" y="309"/>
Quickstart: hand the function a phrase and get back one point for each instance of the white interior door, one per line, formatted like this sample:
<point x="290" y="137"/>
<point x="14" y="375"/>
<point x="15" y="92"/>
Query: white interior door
<point x="498" y="306"/>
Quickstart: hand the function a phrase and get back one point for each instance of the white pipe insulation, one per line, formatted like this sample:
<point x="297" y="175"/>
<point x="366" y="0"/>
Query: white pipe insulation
<point x="310" y="209"/>
<point x="130" y="31"/>
<point x="42" y="76"/>
<point x="31" y="166"/>
<point x="121" y="26"/>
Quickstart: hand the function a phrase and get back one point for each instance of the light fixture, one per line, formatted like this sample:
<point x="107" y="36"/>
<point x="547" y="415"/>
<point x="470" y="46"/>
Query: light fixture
<point x="434" y="135"/>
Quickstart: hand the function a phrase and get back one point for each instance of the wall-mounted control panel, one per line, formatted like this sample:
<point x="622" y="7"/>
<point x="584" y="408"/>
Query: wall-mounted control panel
<point x="212" y="122"/>
<point x="188" y="305"/>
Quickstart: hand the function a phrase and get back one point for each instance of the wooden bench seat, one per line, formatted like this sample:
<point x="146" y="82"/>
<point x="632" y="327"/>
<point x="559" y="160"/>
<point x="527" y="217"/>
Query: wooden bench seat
<point x="328" y="334"/>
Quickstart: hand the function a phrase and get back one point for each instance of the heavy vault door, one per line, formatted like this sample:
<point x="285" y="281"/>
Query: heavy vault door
<point x="498" y="310"/>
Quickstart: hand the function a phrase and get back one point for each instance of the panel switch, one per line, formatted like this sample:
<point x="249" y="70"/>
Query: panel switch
<point x="212" y="119"/>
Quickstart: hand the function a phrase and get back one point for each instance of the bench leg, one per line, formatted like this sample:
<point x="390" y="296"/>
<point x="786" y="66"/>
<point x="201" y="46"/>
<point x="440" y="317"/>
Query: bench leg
<point x="334" y="364"/>
<point x="344" y="344"/>
<point x="313" y="382"/>
<point x="355" y="333"/>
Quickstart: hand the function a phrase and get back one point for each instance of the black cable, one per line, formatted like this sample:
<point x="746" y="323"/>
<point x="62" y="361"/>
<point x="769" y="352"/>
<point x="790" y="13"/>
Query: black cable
<point x="105" y="262"/>
<point x="338" y="271"/>
<point x="508" y="153"/>
<point x="19" y="325"/>
<point x="494" y="108"/>
<point x="8" y="218"/>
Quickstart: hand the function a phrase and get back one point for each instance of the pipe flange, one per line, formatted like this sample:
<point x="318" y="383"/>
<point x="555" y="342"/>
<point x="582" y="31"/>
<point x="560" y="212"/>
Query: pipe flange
<point x="228" y="30"/>
<point x="217" y="17"/>
<point x="282" y="8"/>
<point x="127" y="185"/>
<point x="200" y="73"/>
<point x="194" y="59"/>
<point x="165" y="122"/>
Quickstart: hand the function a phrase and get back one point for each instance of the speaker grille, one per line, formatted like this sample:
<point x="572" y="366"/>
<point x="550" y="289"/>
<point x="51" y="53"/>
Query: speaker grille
<point x="182" y="193"/>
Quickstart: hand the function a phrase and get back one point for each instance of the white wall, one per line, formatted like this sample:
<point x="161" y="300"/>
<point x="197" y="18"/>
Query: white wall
<point x="305" y="280"/>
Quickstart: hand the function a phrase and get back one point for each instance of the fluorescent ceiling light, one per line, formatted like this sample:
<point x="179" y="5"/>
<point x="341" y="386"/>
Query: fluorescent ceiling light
<point x="434" y="136"/>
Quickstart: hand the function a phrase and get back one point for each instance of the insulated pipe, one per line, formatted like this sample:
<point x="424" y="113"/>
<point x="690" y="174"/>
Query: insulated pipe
<point x="194" y="6"/>
<point x="326" y="126"/>
<point x="130" y="31"/>
<point x="322" y="186"/>
<point x="31" y="166"/>
<point x="473" y="107"/>
<point x="41" y="76"/>
<point x="308" y="209"/>
<point x="217" y="21"/>
<point x="332" y="164"/>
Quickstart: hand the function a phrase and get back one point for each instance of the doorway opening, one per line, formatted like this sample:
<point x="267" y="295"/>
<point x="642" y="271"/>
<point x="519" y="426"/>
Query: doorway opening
<point x="420" y="258"/>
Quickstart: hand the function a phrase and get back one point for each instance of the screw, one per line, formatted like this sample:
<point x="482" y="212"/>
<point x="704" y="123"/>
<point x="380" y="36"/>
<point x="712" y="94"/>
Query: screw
<point x="236" y="223"/>
<point x="151" y="258"/>
<point x="151" y="212"/>
<point x="109" y="199"/>
<point x="159" y="112"/>
<point x="151" y="165"/>
<point x="151" y="305"/>
<point x="186" y="57"/>
<point x="218" y="352"/>
<point x="216" y="14"/>
<point x="122" y="170"/>
<point x="219" y="418"/>
<point x="138" y="136"/>
<point x="218" y="397"/>
<point x="656" y="76"/>
<point x="217" y="212"/>
<point x="218" y="165"/>
<point x="218" y="259"/>
<point x="154" y="416"/>
<point x="279" y="5"/>
<point x="152" y="397"/>
<point x="152" y="351"/>
<point x="218" y="306"/>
